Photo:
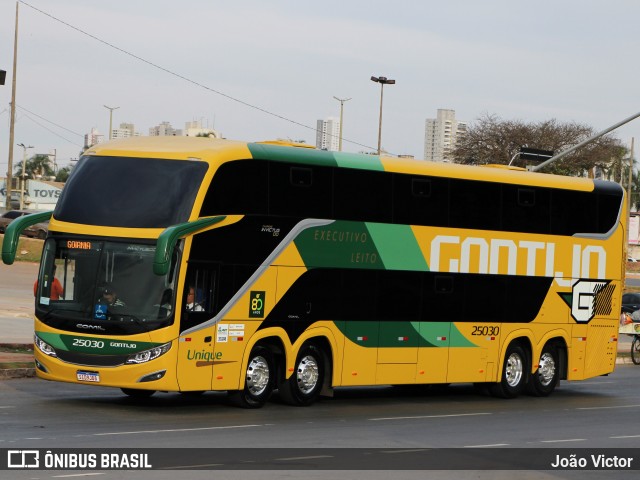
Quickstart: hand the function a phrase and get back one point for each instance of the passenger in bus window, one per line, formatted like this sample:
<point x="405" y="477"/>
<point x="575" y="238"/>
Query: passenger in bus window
<point x="57" y="292"/>
<point x="192" y="305"/>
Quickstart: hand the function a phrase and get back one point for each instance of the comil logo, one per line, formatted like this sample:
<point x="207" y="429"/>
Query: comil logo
<point x="23" y="459"/>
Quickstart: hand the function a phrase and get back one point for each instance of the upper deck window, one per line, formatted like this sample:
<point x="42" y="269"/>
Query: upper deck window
<point x="130" y="192"/>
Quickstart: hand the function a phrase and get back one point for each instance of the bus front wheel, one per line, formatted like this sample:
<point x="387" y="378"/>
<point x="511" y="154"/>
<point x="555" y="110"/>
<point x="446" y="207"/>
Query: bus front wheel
<point x="259" y="379"/>
<point x="304" y="385"/>
<point x="137" y="393"/>
<point x="514" y="373"/>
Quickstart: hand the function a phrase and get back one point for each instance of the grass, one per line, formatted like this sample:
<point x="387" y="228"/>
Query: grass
<point x="29" y="249"/>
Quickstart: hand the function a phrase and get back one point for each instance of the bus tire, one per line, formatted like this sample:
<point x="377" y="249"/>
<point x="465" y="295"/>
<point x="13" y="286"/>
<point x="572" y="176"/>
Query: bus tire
<point x="546" y="377"/>
<point x="635" y="350"/>
<point x="514" y="373"/>
<point x="304" y="385"/>
<point x="259" y="379"/>
<point x="137" y="393"/>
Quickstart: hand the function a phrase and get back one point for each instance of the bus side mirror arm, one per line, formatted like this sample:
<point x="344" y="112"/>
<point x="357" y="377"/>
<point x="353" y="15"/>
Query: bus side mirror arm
<point x="13" y="231"/>
<point x="169" y="237"/>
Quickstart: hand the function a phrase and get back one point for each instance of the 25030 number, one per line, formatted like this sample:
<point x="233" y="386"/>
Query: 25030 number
<point x="86" y="343"/>
<point x="485" y="330"/>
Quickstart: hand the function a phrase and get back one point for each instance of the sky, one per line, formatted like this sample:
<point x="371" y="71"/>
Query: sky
<point x="257" y="70"/>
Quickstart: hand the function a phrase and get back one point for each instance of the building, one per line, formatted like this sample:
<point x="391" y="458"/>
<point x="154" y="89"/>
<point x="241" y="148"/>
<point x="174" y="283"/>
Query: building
<point x="328" y="134"/>
<point x="164" y="130"/>
<point x="195" y="128"/>
<point x="441" y="135"/>
<point x="126" y="130"/>
<point x="93" y="138"/>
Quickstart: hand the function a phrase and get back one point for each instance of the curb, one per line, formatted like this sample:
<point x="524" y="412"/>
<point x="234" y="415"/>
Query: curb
<point x="8" y="373"/>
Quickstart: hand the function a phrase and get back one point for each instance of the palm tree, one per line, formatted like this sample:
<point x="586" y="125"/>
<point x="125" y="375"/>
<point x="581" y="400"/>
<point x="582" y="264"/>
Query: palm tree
<point x="37" y="166"/>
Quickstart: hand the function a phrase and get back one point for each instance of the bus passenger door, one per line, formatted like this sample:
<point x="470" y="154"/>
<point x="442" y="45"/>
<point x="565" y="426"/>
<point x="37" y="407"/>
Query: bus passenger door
<point x="196" y="305"/>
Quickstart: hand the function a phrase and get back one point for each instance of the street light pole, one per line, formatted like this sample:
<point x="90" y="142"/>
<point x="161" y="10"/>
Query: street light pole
<point x="382" y="81"/>
<point x="12" y="120"/>
<point x="111" y="109"/>
<point x="341" y="100"/>
<point x="24" y="168"/>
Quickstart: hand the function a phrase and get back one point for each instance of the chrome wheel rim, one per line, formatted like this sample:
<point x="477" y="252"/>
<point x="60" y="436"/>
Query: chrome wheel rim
<point x="257" y="375"/>
<point x="546" y="369"/>
<point x="514" y="369"/>
<point x="307" y="374"/>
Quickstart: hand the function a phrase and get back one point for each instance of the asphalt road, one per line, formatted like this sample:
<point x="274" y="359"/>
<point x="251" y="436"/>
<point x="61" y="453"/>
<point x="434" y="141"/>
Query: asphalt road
<point x="599" y="413"/>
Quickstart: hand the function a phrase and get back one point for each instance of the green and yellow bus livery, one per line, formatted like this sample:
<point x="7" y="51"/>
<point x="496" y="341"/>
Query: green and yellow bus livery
<point x="313" y="270"/>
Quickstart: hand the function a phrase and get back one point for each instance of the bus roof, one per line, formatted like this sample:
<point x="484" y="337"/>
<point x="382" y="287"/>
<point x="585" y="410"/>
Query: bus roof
<point x="216" y="151"/>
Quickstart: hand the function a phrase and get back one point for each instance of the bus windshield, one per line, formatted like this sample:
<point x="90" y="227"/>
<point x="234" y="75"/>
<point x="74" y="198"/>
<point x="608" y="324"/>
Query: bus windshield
<point x="99" y="186"/>
<point x="102" y="287"/>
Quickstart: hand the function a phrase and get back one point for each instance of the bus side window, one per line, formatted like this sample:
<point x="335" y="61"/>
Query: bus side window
<point x="198" y="300"/>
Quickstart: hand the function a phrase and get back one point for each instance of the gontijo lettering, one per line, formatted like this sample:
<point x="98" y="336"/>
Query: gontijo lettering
<point x="510" y="257"/>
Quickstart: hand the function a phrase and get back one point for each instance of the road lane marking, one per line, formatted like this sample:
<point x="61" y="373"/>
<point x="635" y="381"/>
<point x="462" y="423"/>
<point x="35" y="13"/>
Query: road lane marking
<point x="566" y="440"/>
<point x="605" y="408"/>
<point x="626" y="436"/>
<point x="488" y="445"/>
<point x="77" y="475"/>
<point x="430" y="416"/>
<point x="310" y="457"/>
<point x="171" y="430"/>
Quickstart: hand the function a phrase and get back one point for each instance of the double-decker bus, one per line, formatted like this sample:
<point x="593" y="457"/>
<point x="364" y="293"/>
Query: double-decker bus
<point x="196" y="264"/>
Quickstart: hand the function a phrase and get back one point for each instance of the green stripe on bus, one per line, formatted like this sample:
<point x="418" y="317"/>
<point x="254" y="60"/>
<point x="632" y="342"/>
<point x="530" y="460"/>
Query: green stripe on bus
<point x="398" y="247"/>
<point x="94" y="345"/>
<point x="308" y="156"/>
<point x="355" y="160"/>
<point x="340" y="244"/>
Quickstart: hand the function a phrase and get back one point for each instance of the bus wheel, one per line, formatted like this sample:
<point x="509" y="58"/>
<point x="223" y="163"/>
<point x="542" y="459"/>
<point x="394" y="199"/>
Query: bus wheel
<point x="258" y="383"/>
<point x="137" y="393"/>
<point x="304" y="385"/>
<point x="544" y="381"/>
<point x="635" y="350"/>
<point x="514" y="374"/>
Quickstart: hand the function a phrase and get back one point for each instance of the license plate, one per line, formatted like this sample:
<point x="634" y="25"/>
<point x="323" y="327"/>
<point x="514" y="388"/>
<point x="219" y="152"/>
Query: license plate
<point x="88" y="376"/>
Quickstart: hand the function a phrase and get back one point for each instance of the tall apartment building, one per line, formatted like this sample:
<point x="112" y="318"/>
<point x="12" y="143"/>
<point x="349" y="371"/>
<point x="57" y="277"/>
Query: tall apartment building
<point x="93" y="138"/>
<point x="441" y="135"/>
<point x="126" y="130"/>
<point x="328" y="134"/>
<point x="164" y="130"/>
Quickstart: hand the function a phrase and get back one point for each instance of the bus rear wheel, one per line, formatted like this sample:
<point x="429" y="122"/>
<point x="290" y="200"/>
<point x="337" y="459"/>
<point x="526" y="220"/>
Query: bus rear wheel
<point x="303" y="386"/>
<point x="544" y="381"/>
<point x="514" y="374"/>
<point x="259" y="380"/>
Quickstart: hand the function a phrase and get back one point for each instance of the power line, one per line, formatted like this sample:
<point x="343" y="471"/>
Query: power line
<point x="182" y="77"/>
<point x="49" y="121"/>
<point x="49" y="130"/>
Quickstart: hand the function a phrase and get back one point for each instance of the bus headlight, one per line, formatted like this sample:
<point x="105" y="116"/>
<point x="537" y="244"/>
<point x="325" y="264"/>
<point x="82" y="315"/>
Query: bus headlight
<point x="44" y="347"/>
<point x="148" y="355"/>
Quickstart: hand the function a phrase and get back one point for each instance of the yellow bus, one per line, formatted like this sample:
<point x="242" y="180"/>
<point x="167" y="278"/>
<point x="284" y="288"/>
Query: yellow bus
<point x="195" y="264"/>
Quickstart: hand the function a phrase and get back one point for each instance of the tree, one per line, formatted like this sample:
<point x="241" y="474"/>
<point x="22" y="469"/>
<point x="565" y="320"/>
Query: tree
<point x="38" y="166"/>
<point x="63" y="174"/>
<point x="493" y="140"/>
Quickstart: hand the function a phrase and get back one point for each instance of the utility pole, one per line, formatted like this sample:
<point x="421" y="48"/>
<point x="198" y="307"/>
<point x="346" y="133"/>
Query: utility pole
<point x="382" y="81"/>
<point x="24" y="170"/>
<point x="630" y="172"/>
<point x="12" y="120"/>
<point x="341" y="100"/>
<point x="111" y="109"/>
